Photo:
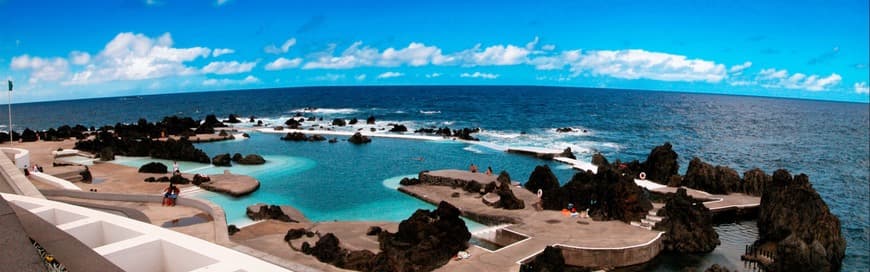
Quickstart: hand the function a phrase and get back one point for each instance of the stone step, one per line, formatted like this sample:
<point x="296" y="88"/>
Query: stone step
<point x="653" y="212"/>
<point x="648" y="222"/>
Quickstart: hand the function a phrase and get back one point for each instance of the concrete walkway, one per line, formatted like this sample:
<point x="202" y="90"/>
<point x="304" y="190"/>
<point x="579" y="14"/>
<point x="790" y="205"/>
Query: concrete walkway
<point x="544" y="227"/>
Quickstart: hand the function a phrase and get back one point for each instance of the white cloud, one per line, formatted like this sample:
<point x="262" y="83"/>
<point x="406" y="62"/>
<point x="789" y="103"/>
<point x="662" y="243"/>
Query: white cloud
<point x="531" y="45"/>
<point x="480" y="75"/>
<point x="274" y="49"/>
<point x="497" y="55"/>
<point x="217" y="52"/>
<point x="738" y="69"/>
<point x="862" y="88"/>
<point x="46" y="69"/>
<point x="773" y="78"/>
<point x="135" y="57"/>
<point x="228" y="67"/>
<point x="226" y="81"/>
<point x="329" y="77"/>
<point x="361" y="77"/>
<point x="433" y="75"/>
<point x="556" y="62"/>
<point x="357" y="55"/>
<point x="548" y="47"/>
<point x="642" y="64"/>
<point x="390" y="75"/>
<point x="79" y="58"/>
<point x="221" y="2"/>
<point x="283" y="63"/>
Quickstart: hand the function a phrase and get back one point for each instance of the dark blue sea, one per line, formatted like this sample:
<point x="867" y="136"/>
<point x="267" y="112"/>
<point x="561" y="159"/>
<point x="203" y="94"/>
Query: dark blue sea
<point x="829" y="141"/>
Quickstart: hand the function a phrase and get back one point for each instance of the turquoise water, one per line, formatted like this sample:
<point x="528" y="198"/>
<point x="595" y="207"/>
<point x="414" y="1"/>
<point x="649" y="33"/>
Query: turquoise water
<point x="342" y="181"/>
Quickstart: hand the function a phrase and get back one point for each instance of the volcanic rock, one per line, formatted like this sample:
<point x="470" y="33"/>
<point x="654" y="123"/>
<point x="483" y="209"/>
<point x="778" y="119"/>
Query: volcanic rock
<point x="358" y="138"/>
<point x="754" y="182"/>
<point x="232" y="229"/>
<point x="794" y="216"/>
<point x="339" y="122"/>
<point x="661" y="164"/>
<point x="154" y="168"/>
<point x="688" y="225"/>
<point x="399" y="128"/>
<point x="252" y="159"/>
<point x="292" y="123"/>
<point x="607" y="194"/>
<point x="370" y="120"/>
<point x="222" y="160"/>
<point x="274" y="212"/>
<point x="542" y="178"/>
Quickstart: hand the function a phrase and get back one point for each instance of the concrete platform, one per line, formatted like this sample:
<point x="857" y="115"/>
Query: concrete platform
<point x="585" y="242"/>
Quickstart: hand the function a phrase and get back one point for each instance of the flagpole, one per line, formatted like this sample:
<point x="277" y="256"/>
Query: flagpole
<point x="10" y="113"/>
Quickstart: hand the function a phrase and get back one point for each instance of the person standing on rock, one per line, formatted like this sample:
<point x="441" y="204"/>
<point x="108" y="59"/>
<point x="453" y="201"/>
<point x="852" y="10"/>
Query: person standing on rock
<point x="472" y="168"/>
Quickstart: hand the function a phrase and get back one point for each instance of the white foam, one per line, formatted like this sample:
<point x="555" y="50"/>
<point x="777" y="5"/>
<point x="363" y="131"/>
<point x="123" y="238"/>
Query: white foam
<point x="429" y="112"/>
<point x="327" y="110"/>
<point x="472" y="149"/>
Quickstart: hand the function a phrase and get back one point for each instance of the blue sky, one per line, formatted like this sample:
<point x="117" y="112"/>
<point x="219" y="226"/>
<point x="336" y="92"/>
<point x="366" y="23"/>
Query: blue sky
<point x="56" y="50"/>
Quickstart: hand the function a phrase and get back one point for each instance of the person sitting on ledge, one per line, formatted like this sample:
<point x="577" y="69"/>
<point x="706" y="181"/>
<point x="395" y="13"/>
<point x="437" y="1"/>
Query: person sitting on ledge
<point x="489" y="170"/>
<point x="170" y="195"/>
<point x="472" y="168"/>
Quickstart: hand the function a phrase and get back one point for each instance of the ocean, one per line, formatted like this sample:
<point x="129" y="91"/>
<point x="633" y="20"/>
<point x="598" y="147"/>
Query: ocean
<point x="829" y="141"/>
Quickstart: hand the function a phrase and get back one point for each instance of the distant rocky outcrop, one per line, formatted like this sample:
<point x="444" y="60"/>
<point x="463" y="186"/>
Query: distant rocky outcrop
<point x="233" y="119"/>
<point x="688" y="225"/>
<point x="567" y="153"/>
<point x="542" y="178"/>
<point x="292" y="123"/>
<point x="358" y="138"/>
<point x="28" y="135"/>
<point x="154" y="168"/>
<point x="399" y="128"/>
<point x="794" y="217"/>
<point x="353" y="121"/>
<point x="105" y="142"/>
<point x="339" y="122"/>
<point x="222" y="160"/>
<point x="212" y="121"/>
<point x="465" y="134"/>
<point x="424" y="242"/>
<point x="370" y="120"/>
<point x="564" y="129"/>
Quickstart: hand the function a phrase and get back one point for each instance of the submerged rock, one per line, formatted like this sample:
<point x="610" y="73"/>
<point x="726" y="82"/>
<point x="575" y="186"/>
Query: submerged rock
<point x="358" y="138"/>
<point x="794" y="216"/>
<point x="688" y="225"/>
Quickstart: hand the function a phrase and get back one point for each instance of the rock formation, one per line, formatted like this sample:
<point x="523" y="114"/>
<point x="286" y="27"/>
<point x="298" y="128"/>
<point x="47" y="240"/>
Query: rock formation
<point x="292" y="123"/>
<point x="274" y="212"/>
<point x="715" y="180"/>
<point x="339" y="122"/>
<point x="252" y="159"/>
<point x="542" y="178"/>
<point x="353" y="121"/>
<point x="754" y="182"/>
<point x="221" y="160"/>
<point x="688" y="225"/>
<point x="807" y="235"/>
<point x="567" y="153"/>
<point x="507" y="199"/>
<point x="28" y="135"/>
<point x="425" y="241"/>
<point x="661" y="164"/>
<point x="370" y="120"/>
<point x="398" y="128"/>
<point x="358" y="138"/>
<point x="153" y="168"/>
<point x="609" y="195"/>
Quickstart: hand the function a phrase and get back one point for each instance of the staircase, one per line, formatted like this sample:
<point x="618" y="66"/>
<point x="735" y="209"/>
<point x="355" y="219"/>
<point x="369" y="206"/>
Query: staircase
<point x="649" y="221"/>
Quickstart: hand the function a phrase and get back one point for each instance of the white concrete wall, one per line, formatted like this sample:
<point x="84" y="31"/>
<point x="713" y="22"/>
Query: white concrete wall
<point x="62" y="183"/>
<point x="21" y="157"/>
<point x="138" y="246"/>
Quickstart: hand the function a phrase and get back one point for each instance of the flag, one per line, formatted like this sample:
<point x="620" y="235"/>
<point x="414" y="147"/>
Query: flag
<point x="10" y="85"/>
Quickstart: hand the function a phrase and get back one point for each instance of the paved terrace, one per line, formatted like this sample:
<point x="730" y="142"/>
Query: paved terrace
<point x="585" y="242"/>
